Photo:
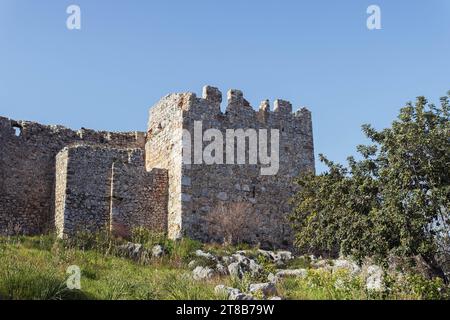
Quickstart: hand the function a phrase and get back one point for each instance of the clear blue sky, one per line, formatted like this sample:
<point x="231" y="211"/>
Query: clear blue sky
<point x="128" y="54"/>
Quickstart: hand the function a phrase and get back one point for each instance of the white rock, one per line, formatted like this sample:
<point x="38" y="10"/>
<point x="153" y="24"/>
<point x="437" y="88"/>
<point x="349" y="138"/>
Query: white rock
<point x="266" y="254"/>
<point x="343" y="264"/>
<point x="232" y="293"/>
<point x="280" y="257"/>
<point x="375" y="278"/>
<point x="227" y="260"/>
<point x="241" y="296"/>
<point x="320" y="263"/>
<point x="255" y="268"/>
<point x="206" y="255"/>
<point x="267" y="289"/>
<point x="131" y="250"/>
<point x="285" y="255"/>
<point x="157" y="251"/>
<point x="300" y="273"/>
<point x="235" y="269"/>
<point x="272" y="278"/>
<point x="221" y="269"/>
<point x="240" y="258"/>
<point x="226" y="291"/>
<point x="202" y="273"/>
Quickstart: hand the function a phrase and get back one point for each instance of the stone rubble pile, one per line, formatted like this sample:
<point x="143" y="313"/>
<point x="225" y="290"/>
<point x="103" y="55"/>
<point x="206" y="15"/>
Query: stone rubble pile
<point x="247" y="264"/>
<point x="243" y="263"/>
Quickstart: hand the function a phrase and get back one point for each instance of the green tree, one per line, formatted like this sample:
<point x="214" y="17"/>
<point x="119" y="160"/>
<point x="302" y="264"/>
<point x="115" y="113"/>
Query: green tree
<point x="395" y="200"/>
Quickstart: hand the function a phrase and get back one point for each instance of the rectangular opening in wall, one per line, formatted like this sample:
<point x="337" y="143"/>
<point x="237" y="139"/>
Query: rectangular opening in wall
<point x="17" y="130"/>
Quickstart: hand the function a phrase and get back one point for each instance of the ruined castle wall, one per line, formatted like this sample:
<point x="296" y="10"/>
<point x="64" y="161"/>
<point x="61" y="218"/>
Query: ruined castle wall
<point x="86" y="188"/>
<point x="27" y="170"/>
<point x="204" y="188"/>
<point x="139" y="198"/>
<point x="164" y="151"/>
<point x="108" y="189"/>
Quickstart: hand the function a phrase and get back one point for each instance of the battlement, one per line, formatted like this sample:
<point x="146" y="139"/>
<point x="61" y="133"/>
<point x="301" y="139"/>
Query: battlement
<point x="237" y="111"/>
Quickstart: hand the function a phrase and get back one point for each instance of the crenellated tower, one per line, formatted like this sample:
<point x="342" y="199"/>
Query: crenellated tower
<point x="195" y="189"/>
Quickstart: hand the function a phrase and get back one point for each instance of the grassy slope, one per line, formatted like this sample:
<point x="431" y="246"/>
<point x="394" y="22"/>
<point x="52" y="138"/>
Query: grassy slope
<point x="35" y="268"/>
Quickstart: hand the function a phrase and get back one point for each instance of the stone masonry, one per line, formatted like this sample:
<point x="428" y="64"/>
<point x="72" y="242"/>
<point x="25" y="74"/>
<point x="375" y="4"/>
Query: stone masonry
<point x="101" y="188"/>
<point x="197" y="189"/>
<point x="28" y="170"/>
<point x="54" y="178"/>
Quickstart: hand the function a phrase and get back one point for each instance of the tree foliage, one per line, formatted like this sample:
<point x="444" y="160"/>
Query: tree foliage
<point x="395" y="199"/>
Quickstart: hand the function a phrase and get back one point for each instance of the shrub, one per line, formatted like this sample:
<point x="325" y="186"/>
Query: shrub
<point x="233" y="223"/>
<point x="393" y="201"/>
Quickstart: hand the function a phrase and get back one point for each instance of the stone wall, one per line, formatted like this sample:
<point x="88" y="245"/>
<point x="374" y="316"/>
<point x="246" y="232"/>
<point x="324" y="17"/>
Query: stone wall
<point x="27" y="170"/>
<point x="164" y="150"/>
<point x="199" y="189"/>
<point x="103" y="180"/>
<point x="139" y="198"/>
<point x="101" y="188"/>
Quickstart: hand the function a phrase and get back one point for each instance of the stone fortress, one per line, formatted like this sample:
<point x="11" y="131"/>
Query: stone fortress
<point x="56" y="179"/>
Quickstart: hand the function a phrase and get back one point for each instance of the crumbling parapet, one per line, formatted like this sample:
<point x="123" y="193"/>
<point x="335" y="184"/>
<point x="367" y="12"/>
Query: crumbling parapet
<point x="282" y="106"/>
<point x="28" y="170"/>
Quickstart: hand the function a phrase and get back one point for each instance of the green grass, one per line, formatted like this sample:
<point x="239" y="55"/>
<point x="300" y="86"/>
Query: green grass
<point x="35" y="268"/>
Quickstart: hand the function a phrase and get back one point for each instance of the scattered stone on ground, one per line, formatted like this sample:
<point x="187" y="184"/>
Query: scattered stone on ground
<point x="232" y="293"/>
<point x="192" y="264"/>
<point x="344" y="264"/>
<point x="206" y="255"/>
<point x="267" y="288"/>
<point x="134" y="251"/>
<point x="375" y="278"/>
<point x="280" y="274"/>
<point x="240" y="263"/>
<point x="221" y="270"/>
<point x="157" y="251"/>
<point x="202" y="273"/>
<point x="235" y="270"/>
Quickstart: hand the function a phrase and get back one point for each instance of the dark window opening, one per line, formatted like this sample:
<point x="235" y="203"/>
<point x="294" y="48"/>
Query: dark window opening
<point x="17" y="131"/>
